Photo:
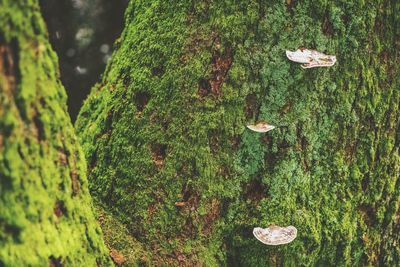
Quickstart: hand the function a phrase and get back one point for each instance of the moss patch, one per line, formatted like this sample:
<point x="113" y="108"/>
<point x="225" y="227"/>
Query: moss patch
<point x="212" y="67"/>
<point x="46" y="216"/>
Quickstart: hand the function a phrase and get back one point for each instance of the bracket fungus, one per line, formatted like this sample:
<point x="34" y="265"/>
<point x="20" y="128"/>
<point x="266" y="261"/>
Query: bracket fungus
<point x="275" y="235"/>
<point x="311" y="58"/>
<point x="261" y="127"/>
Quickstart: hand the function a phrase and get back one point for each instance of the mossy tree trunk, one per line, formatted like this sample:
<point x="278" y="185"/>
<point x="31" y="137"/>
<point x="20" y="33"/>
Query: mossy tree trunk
<point x="46" y="216"/>
<point x="167" y="124"/>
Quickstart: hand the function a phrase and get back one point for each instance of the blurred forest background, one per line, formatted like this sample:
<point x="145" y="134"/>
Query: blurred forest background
<point x="82" y="33"/>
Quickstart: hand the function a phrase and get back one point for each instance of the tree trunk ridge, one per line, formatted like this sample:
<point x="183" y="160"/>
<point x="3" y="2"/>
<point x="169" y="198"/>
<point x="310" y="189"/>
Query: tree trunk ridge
<point x="46" y="216"/>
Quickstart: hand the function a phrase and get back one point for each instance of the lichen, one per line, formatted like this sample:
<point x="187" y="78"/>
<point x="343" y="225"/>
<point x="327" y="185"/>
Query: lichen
<point x="330" y="168"/>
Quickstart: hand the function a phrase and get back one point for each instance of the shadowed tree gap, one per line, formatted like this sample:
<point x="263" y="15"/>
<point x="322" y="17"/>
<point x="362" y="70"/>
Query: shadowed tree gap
<point x="82" y="34"/>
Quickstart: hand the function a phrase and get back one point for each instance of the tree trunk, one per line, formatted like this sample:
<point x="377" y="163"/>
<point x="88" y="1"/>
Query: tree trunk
<point x="46" y="216"/>
<point x="169" y="153"/>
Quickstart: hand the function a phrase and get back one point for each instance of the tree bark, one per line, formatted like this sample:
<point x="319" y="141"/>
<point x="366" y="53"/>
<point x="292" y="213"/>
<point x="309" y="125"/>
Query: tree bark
<point x="169" y="153"/>
<point x="46" y="216"/>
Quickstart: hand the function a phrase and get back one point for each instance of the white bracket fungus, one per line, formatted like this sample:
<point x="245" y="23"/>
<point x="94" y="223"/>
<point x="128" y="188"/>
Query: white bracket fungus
<point x="310" y="58"/>
<point x="275" y="235"/>
<point x="261" y="127"/>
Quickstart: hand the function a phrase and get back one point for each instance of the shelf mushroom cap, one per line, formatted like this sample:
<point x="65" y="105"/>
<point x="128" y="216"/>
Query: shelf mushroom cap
<point x="311" y="58"/>
<point x="261" y="127"/>
<point x="275" y="235"/>
<point x="299" y="56"/>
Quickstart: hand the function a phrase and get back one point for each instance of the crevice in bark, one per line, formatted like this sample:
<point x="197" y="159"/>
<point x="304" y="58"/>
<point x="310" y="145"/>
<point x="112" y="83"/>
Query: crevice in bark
<point x="214" y="211"/>
<point x="192" y="200"/>
<point x="11" y="230"/>
<point x="159" y="152"/>
<point x="39" y="126"/>
<point x="351" y="148"/>
<point x="55" y="262"/>
<point x="141" y="100"/>
<point x="213" y="140"/>
<point x="255" y="191"/>
<point x="251" y="105"/>
<point x="364" y="184"/>
<point x="62" y="158"/>
<point x="75" y="181"/>
<point x="126" y="80"/>
<point x="221" y="64"/>
<point x="60" y="209"/>
<point x="158" y="71"/>
<point x="368" y="214"/>
<point x="285" y="109"/>
<point x="302" y="146"/>
<point x="290" y="5"/>
<point x="327" y="27"/>
<point x="9" y="64"/>
<point x="204" y="87"/>
<point x="93" y="161"/>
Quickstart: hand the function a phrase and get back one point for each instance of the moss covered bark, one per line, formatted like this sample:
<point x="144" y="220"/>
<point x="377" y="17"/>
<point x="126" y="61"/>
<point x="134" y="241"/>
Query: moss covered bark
<point x="46" y="216"/>
<point x="167" y="125"/>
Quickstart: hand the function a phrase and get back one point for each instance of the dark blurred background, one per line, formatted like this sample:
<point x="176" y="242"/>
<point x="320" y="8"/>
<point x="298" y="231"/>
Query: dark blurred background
<point x="82" y="32"/>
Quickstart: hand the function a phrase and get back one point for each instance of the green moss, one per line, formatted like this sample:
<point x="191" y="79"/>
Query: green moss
<point x="153" y="135"/>
<point x="46" y="213"/>
<point x="117" y="237"/>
